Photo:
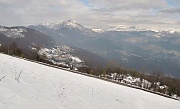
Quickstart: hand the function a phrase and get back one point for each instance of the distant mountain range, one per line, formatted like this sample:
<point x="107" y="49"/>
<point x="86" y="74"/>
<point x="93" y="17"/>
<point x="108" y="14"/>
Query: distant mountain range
<point x="27" y="38"/>
<point x="132" y="48"/>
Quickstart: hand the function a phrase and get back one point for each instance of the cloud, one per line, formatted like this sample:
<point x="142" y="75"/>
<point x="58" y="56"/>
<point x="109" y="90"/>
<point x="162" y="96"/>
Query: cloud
<point x="171" y="11"/>
<point x="91" y="13"/>
<point x="129" y="4"/>
<point x="25" y="12"/>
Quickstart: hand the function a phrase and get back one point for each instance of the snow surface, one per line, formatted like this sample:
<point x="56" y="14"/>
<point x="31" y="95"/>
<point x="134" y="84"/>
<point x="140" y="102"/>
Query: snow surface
<point x="98" y="30"/>
<point x="76" y="59"/>
<point x="68" y="24"/>
<point x="43" y="87"/>
<point x="13" y="32"/>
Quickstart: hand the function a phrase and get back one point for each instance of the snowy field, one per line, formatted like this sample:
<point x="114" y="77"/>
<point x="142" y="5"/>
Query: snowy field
<point x="28" y="85"/>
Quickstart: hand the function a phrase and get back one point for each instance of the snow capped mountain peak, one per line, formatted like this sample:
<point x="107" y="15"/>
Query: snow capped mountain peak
<point x="70" y="21"/>
<point x="172" y="32"/>
<point x="45" y="23"/>
<point x="71" y="24"/>
<point x="127" y="28"/>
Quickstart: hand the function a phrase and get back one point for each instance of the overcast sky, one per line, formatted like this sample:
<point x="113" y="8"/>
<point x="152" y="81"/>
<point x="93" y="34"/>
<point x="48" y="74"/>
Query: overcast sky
<point x="91" y="13"/>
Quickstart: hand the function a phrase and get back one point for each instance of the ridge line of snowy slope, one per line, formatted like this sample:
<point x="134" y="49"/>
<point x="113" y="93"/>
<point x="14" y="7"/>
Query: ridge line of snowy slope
<point x="43" y="87"/>
<point x="97" y="77"/>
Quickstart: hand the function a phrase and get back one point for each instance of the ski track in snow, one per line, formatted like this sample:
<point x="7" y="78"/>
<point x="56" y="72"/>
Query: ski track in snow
<point x="43" y="87"/>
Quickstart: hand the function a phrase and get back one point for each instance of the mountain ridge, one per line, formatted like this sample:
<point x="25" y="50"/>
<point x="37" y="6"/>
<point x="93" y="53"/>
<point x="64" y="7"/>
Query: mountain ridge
<point x="28" y="40"/>
<point x="132" y="49"/>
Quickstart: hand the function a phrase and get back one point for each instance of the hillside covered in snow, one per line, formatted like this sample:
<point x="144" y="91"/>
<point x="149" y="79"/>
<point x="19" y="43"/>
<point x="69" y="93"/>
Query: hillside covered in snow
<point x="28" y="85"/>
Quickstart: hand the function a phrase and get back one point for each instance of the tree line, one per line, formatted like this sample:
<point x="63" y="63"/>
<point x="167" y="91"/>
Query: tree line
<point x="11" y="49"/>
<point x="153" y="77"/>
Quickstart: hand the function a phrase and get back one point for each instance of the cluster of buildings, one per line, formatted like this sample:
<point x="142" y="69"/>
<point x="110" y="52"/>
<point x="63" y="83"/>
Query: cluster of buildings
<point x="62" y="55"/>
<point x="139" y="82"/>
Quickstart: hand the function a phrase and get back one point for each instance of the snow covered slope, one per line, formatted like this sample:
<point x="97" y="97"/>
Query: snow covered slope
<point x="28" y="85"/>
<point x="15" y="32"/>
